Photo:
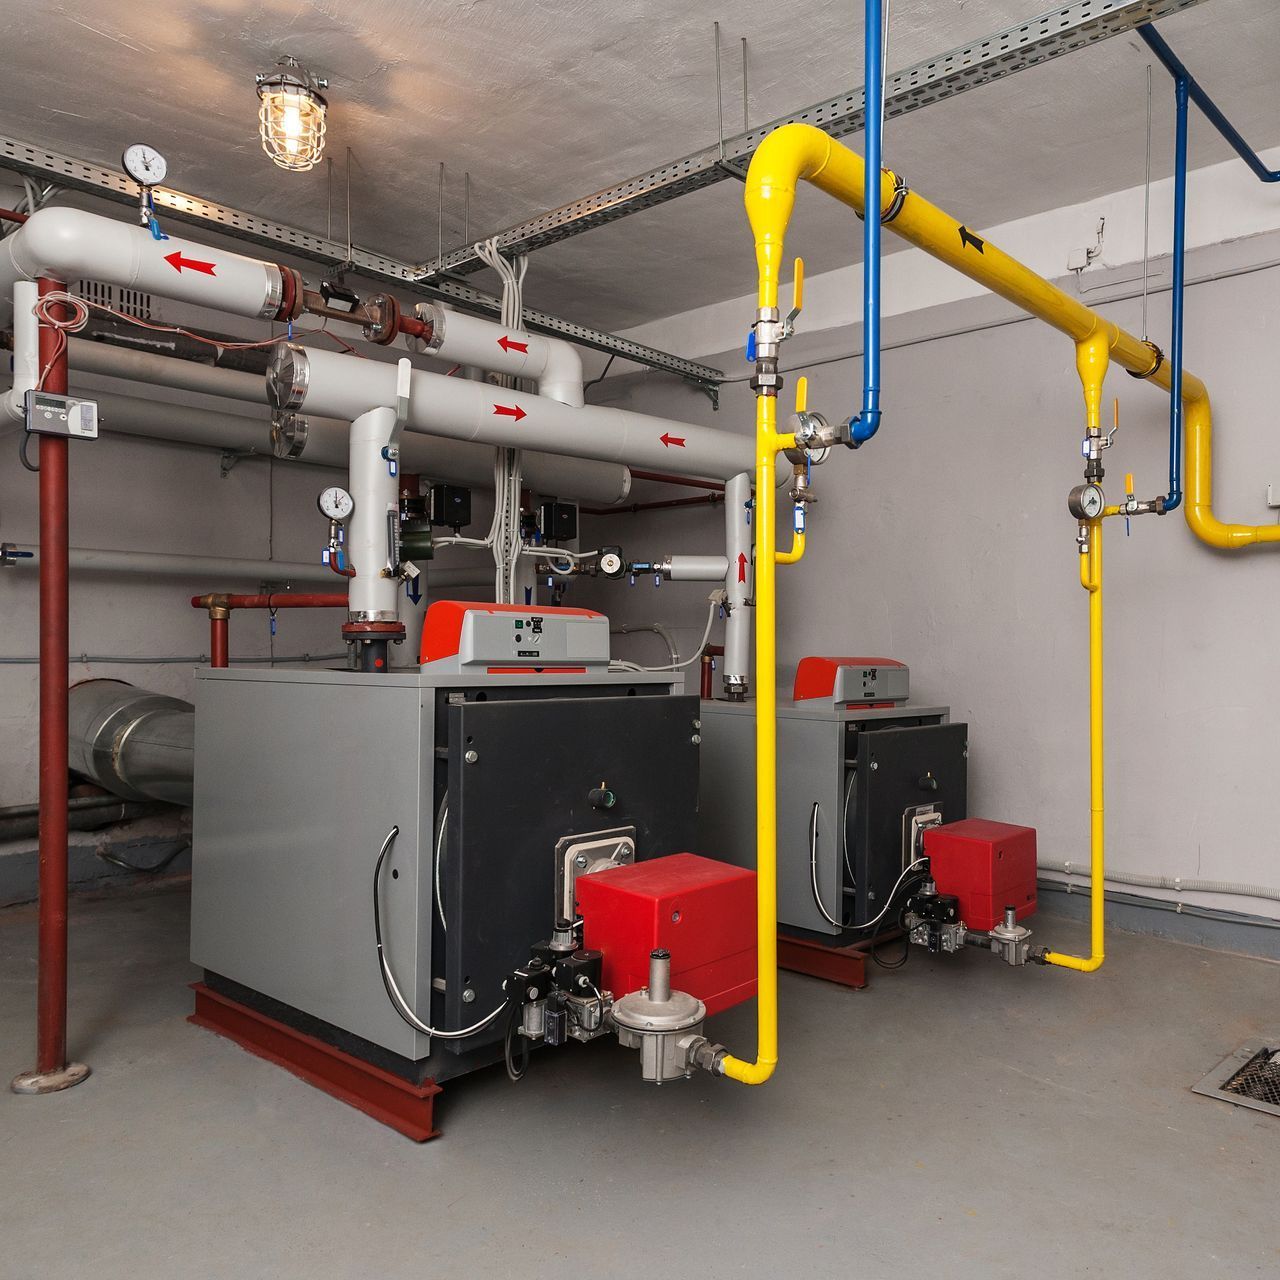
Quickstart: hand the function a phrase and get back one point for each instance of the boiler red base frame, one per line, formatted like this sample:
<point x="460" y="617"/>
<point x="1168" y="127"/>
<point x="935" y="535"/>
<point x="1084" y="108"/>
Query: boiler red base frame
<point x="405" y="1107"/>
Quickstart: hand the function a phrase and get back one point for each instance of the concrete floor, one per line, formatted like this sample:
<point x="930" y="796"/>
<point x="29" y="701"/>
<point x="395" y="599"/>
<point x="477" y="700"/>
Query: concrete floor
<point x="956" y="1119"/>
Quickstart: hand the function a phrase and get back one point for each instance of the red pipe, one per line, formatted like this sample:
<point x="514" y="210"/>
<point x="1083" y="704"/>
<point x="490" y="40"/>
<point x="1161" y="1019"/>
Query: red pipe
<point x="12" y="215"/>
<point x="52" y="1071"/>
<point x="702" y="500"/>
<point x="706" y="684"/>
<point x="273" y="600"/>
<point x="219" y="639"/>
<point x="220" y="606"/>
<point x="687" y="481"/>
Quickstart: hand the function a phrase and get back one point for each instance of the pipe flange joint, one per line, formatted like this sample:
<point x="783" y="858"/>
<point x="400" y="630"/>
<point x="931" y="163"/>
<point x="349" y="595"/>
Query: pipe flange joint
<point x="383" y="323"/>
<point x="1157" y="361"/>
<point x="289" y="295"/>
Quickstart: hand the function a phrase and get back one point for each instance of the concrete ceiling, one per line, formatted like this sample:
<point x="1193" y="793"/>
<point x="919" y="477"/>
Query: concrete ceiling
<point x="542" y="103"/>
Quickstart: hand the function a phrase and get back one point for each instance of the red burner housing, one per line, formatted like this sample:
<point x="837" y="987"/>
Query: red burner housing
<point x="702" y="911"/>
<point x="987" y="865"/>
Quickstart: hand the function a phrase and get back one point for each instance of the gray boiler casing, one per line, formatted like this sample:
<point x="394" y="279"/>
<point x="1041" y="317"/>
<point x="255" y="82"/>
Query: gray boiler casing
<point x="301" y="774"/>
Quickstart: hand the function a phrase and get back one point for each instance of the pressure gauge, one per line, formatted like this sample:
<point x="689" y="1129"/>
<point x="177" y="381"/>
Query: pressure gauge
<point x="1086" y="502"/>
<point x="144" y="164"/>
<point x="336" y="503"/>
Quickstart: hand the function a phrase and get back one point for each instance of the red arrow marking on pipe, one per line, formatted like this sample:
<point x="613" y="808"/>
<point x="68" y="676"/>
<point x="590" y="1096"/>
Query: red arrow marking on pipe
<point x="178" y="262"/>
<point x="742" y="567"/>
<point x="509" y="344"/>
<point x="671" y="440"/>
<point x="510" y="411"/>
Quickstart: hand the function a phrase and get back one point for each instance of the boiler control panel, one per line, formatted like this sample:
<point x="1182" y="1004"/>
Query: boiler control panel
<point x="502" y="639"/>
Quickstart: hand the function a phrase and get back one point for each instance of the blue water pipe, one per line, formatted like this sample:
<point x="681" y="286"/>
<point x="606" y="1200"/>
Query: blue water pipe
<point x="1186" y="90"/>
<point x="1173" y="65"/>
<point x="867" y="422"/>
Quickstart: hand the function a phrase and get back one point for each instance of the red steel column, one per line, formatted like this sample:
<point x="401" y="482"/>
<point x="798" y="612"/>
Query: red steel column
<point x="53" y="1071"/>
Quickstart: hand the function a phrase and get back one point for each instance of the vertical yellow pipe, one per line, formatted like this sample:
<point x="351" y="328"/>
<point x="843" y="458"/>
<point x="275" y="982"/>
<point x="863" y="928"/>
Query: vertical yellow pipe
<point x="768" y="443"/>
<point x="1091" y="581"/>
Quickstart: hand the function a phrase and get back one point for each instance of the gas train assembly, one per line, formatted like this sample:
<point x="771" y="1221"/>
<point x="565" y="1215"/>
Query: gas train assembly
<point x="407" y="868"/>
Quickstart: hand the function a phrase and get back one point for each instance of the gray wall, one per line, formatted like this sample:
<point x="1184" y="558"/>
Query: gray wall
<point x="945" y="542"/>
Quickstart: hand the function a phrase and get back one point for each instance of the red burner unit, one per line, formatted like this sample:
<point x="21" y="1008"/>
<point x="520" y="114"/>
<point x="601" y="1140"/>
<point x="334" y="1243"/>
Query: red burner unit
<point x="987" y="865"/>
<point x="702" y="911"/>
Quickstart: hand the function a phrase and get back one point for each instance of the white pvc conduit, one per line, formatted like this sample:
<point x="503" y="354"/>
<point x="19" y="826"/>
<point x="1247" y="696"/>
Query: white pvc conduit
<point x="70" y="244"/>
<point x="344" y="386"/>
<point x="1178" y="884"/>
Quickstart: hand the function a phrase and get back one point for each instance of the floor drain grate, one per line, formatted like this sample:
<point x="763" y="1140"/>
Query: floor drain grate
<point x="1250" y="1077"/>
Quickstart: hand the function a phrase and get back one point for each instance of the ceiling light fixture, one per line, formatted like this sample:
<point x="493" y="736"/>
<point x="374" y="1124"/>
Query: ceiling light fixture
<point x="291" y="117"/>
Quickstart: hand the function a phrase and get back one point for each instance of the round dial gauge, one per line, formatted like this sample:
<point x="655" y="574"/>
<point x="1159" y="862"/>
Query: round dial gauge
<point x="336" y="503"/>
<point x="1086" y="502"/>
<point x="612" y="564"/>
<point x="144" y="164"/>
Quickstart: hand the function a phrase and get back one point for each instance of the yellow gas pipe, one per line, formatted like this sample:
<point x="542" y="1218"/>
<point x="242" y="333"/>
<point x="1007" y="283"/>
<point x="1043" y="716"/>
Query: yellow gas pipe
<point x="799" y="151"/>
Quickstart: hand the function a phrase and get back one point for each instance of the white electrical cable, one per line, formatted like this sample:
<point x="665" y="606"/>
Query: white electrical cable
<point x="507" y="538"/>
<point x="444" y="818"/>
<point x="813" y="868"/>
<point x="717" y="599"/>
<point x="388" y="979"/>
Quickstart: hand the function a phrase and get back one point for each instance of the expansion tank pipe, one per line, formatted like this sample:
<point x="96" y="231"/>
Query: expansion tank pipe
<point x="866" y="423"/>
<point x="344" y="386"/>
<point x="52" y="1070"/>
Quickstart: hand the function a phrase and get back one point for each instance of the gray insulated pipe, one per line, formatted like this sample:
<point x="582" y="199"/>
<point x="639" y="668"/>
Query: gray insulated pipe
<point x="137" y="744"/>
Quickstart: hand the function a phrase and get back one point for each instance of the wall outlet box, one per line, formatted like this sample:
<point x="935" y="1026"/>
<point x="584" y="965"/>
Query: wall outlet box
<point x="1273" y="495"/>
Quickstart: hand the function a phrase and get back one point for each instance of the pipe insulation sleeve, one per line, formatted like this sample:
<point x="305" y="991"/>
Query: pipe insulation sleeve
<point x="738" y="583"/>
<point x="161" y="564"/>
<point x="71" y="245"/>
<point x="136" y="744"/>
<point x="454" y="461"/>
<point x="372" y="593"/>
<point x="577" y="479"/>
<point x="697" y="568"/>
<point x="343" y="386"/>
<point x="1178" y="884"/>
<point x="477" y="343"/>
<point x="26" y="349"/>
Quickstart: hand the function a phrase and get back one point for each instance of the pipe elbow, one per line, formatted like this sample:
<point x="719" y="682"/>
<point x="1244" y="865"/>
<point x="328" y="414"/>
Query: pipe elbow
<point x="54" y="242"/>
<point x="757" y="1072"/>
<point x="561" y="377"/>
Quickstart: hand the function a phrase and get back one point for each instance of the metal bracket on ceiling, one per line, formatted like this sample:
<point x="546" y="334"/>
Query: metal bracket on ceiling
<point x="1051" y="34"/>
